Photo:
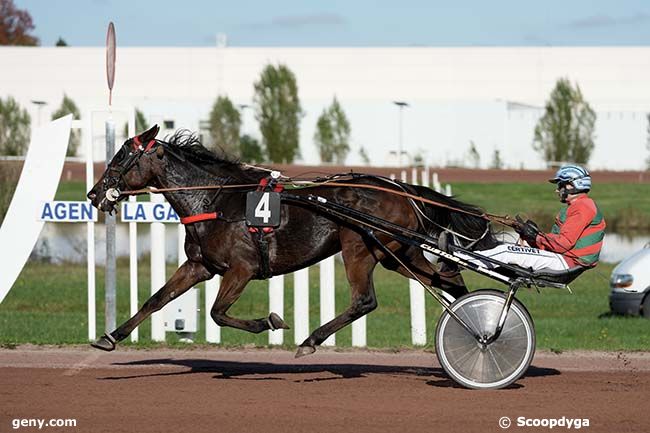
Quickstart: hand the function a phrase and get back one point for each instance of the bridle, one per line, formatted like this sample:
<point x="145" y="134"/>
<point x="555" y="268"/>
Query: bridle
<point x="115" y="175"/>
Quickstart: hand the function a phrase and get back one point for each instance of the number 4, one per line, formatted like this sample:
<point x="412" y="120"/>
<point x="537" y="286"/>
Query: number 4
<point x="262" y="209"/>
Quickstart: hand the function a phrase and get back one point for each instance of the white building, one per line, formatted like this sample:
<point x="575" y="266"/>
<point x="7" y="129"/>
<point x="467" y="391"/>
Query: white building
<point x="491" y="96"/>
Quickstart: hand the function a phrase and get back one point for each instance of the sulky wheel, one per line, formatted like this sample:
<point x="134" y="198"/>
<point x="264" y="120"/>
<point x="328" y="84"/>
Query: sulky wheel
<point x="491" y="366"/>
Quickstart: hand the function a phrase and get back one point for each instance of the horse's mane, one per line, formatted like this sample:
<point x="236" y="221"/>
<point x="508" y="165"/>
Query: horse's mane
<point x="187" y="145"/>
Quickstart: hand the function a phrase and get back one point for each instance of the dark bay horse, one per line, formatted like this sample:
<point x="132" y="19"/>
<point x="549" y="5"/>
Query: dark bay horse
<point x="225" y="246"/>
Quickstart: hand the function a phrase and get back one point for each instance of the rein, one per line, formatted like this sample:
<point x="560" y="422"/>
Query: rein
<point x="501" y="219"/>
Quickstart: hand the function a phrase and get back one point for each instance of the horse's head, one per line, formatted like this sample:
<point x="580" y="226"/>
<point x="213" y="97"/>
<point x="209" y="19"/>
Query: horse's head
<point x="134" y="166"/>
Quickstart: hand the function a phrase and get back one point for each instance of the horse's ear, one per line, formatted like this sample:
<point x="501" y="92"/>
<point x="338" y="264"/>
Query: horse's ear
<point x="149" y="134"/>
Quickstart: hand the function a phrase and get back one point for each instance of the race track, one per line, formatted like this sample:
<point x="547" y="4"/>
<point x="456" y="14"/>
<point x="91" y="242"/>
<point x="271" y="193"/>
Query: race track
<point x="269" y="391"/>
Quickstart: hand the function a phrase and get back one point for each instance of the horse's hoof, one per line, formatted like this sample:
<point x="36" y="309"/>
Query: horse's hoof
<point x="304" y="351"/>
<point x="105" y="342"/>
<point x="276" y="322"/>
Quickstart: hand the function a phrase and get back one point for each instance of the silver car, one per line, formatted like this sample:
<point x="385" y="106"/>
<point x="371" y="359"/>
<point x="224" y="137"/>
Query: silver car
<point x="630" y="284"/>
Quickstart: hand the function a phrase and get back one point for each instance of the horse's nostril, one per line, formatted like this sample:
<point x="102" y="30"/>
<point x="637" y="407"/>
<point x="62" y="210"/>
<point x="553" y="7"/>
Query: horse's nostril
<point x="91" y="195"/>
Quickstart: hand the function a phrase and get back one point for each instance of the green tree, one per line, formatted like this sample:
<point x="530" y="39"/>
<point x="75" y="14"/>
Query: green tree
<point x="474" y="157"/>
<point x="566" y="131"/>
<point x="69" y="107"/>
<point x="15" y="25"/>
<point x="332" y="134"/>
<point x="14" y="128"/>
<point x="225" y="123"/>
<point x="497" y="162"/>
<point x="61" y="42"/>
<point x="364" y="155"/>
<point x="278" y="112"/>
<point x="250" y="149"/>
<point x="141" y="123"/>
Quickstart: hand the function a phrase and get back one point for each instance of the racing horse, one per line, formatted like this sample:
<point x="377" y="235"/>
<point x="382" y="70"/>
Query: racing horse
<point x="218" y="240"/>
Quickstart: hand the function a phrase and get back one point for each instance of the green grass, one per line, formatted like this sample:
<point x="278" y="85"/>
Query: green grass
<point x="47" y="305"/>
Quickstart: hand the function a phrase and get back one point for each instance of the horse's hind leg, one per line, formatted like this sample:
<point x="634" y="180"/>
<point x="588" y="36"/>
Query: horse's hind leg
<point x="189" y="274"/>
<point x="359" y="265"/>
<point x="233" y="284"/>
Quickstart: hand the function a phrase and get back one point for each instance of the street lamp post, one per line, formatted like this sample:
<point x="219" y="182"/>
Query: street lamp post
<point x="39" y="106"/>
<point x="401" y="105"/>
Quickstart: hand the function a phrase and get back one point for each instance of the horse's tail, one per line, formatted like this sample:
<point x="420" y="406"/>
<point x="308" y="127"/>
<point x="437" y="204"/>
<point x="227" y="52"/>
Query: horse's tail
<point x="463" y="219"/>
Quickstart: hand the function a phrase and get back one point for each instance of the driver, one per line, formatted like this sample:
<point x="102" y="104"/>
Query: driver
<point x="575" y="239"/>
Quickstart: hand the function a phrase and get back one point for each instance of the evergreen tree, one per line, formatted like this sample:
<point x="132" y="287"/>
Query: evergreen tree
<point x="497" y="162"/>
<point x="278" y="112"/>
<point x="69" y="107"/>
<point x="225" y="123"/>
<point x="332" y="134"/>
<point x="566" y="131"/>
<point x="250" y="149"/>
<point x="474" y="157"/>
<point x="14" y="128"/>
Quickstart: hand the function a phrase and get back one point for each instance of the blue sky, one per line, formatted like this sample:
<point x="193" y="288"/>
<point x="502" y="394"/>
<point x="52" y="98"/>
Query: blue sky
<point x="342" y="23"/>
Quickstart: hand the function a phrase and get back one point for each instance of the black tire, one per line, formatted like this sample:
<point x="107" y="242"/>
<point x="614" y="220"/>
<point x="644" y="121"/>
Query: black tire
<point x="496" y="365"/>
<point x="645" y="306"/>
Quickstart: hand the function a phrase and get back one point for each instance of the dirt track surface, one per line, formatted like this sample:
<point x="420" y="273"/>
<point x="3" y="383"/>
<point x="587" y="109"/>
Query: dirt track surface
<point x="270" y="391"/>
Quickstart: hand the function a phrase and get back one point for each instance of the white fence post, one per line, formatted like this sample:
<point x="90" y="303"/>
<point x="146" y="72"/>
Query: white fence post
<point x="359" y="327"/>
<point x="436" y="183"/>
<point x="327" y="296"/>
<point x="90" y="229"/>
<point x="212" y="330"/>
<point x="416" y="296"/>
<point x="276" y="305"/>
<point x="133" y="270"/>
<point x="301" y="305"/>
<point x="403" y="176"/>
<point x="448" y="190"/>
<point x="157" y="271"/>
<point x="425" y="176"/>
<point x="418" y="315"/>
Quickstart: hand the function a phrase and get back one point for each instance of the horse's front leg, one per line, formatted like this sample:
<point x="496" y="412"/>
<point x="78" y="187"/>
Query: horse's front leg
<point x="232" y="285"/>
<point x="185" y="277"/>
<point x="359" y="266"/>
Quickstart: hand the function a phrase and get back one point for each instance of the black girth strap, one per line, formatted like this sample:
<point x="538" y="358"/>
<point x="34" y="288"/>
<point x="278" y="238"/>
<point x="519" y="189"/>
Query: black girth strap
<point x="263" y="247"/>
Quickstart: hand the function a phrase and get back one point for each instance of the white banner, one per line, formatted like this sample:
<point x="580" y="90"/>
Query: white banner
<point x="67" y="212"/>
<point x="147" y="212"/>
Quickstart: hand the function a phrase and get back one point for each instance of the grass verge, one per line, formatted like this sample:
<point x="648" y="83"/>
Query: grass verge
<point x="47" y="305"/>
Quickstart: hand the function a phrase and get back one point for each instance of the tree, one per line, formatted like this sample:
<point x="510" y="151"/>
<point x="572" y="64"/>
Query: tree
<point x="474" y="157"/>
<point x="566" y="131"/>
<point x="250" y="149"/>
<point x="15" y="25"/>
<point x="141" y="123"/>
<point x="364" y="155"/>
<point x="332" y="134"/>
<point x="278" y="112"/>
<point x="497" y="162"/>
<point x="61" y="42"/>
<point x="225" y="123"/>
<point x="69" y="107"/>
<point x="14" y="128"/>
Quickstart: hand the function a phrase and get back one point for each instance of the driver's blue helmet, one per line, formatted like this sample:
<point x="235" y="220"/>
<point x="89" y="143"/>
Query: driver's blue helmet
<point x="575" y="175"/>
